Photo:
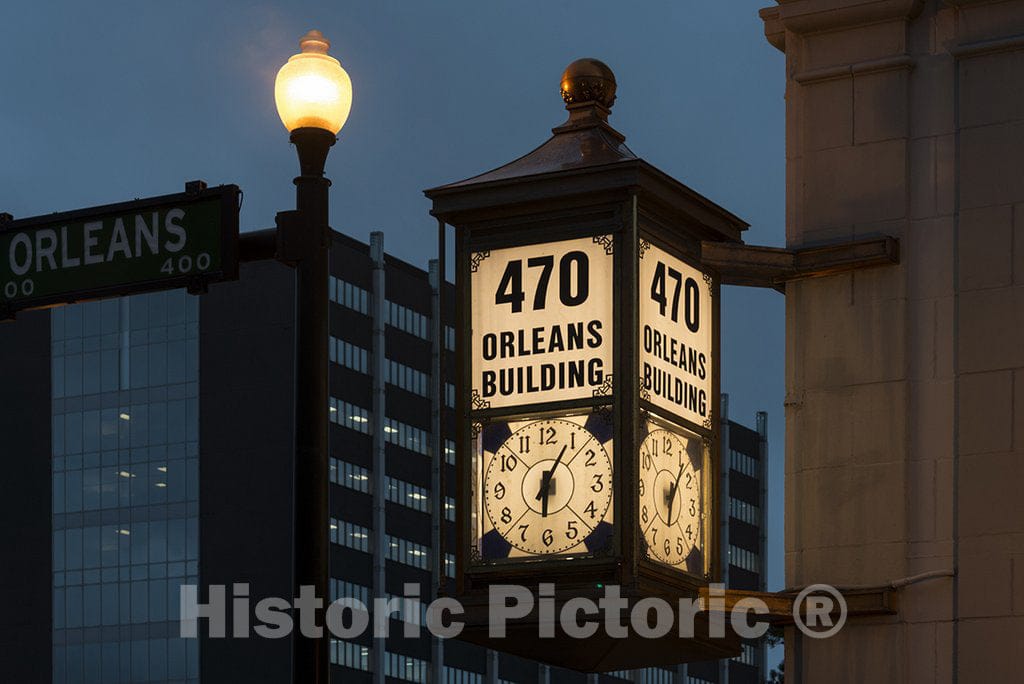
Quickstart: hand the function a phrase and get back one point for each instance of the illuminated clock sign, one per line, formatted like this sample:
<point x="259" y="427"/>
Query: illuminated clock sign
<point x="676" y="332"/>
<point x="182" y="240"/>
<point x="542" y="322"/>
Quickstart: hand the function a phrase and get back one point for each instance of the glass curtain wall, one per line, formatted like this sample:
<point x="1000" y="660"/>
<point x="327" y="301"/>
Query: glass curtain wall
<point x="125" y="487"/>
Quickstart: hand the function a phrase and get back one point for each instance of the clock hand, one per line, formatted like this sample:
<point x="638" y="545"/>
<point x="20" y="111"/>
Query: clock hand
<point x="545" y="483"/>
<point x="673" y="491"/>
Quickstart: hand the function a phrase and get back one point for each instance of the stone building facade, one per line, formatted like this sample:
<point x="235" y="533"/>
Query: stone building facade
<point x="905" y="385"/>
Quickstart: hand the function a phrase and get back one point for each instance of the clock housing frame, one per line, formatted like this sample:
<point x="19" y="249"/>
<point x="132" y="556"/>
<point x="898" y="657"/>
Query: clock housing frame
<point x="582" y="184"/>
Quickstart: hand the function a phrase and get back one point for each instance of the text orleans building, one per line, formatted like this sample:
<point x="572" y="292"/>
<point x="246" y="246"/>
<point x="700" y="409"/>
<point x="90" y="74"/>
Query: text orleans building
<point x="153" y="441"/>
<point x="905" y="385"/>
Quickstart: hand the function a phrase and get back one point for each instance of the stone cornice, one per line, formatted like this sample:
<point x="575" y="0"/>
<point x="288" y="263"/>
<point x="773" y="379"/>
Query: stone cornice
<point x="811" y="16"/>
<point x="774" y="31"/>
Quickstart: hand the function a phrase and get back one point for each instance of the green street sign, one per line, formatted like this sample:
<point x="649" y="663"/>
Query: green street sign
<point x="184" y="240"/>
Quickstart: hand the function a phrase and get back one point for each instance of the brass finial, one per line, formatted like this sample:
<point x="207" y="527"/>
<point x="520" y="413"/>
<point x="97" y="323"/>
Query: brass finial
<point x="588" y="80"/>
<point x="314" y="41"/>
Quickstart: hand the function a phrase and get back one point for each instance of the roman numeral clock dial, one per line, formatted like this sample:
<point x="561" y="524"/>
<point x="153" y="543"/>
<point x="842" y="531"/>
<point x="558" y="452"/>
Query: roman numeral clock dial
<point x="671" y="498"/>
<point x="546" y="487"/>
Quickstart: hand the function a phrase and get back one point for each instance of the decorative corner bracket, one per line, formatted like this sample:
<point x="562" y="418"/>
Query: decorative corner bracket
<point x="773" y="267"/>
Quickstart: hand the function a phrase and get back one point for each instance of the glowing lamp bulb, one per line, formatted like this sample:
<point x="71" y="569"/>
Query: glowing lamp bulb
<point x="312" y="90"/>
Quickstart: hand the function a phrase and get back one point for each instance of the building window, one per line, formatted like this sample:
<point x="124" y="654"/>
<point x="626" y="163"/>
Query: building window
<point x="650" y="675"/>
<point x="449" y="452"/>
<point x="347" y="654"/>
<point x="398" y="491"/>
<point x="406" y="668"/>
<point x="407" y="552"/>
<point x="398" y="374"/>
<point x="349" y="415"/>
<point x="745" y="512"/>
<point x="348" y="295"/>
<point x="453" y="675"/>
<point x="406" y="436"/>
<point x="449" y="508"/>
<point x="402" y="614"/>
<point x="407" y="378"/>
<point x="749" y="655"/>
<point x="449" y="565"/>
<point x="342" y="589"/>
<point x="396" y="665"/>
<point x="743" y="559"/>
<point x="408" y="495"/>
<point x="351" y="535"/>
<point x="395" y="432"/>
<point x="349" y="355"/>
<point x="742" y="463"/>
<point x="350" y="475"/>
<point x="406" y="320"/>
<point x="449" y="338"/>
<point x="657" y="675"/>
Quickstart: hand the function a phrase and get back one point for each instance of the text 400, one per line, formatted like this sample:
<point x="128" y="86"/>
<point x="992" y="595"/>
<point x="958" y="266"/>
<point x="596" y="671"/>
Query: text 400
<point x="184" y="264"/>
<point x="13" y="288"/>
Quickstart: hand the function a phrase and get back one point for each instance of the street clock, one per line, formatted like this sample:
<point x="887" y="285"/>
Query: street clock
<point x="546" y="488"/>
<point x="671" y="498"/>
<point x="587" y="392"/>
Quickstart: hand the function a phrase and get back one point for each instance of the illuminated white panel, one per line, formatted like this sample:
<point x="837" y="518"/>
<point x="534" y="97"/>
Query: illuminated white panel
<point x="676" y="322"/>
<point x="542" y="322"/>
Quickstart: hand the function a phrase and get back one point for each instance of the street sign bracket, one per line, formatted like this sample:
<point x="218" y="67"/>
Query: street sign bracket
<point x="194" y="187"/>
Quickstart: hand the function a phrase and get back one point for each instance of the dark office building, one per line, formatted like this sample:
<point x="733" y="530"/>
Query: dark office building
<point x="149" y="446"/>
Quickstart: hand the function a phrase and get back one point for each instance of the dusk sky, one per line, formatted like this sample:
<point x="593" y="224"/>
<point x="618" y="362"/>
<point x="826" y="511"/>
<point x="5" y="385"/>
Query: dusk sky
<point x="109" y="101"/>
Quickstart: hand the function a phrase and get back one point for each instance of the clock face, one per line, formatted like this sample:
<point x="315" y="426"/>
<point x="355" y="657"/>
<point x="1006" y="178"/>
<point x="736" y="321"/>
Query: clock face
<point x="546" y="486"/>
<point x="671" y="497"/>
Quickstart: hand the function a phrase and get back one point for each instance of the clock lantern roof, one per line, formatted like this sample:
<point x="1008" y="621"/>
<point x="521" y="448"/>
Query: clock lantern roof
<point x="584" y="157"/>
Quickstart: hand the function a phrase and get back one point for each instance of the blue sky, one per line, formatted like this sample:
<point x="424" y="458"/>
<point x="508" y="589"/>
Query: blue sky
<point x="107" y="101"/>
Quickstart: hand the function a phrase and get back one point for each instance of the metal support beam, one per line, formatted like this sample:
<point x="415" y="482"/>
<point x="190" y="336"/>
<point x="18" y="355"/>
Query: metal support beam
<point x="725" y="542"/>
<point x="257" y="245"/>
<point x="859" y="603"/>
<point x="379" y="358"/>
<point x="437" y="511"/>
<point x="492" y="675"/>
<point x="755" y="266"/>
<point x="762" y="545"/>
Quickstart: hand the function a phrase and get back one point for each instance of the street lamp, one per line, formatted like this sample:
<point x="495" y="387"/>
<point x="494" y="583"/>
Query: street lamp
<point x="313" y="95"/>
<point x="312" y="90"/>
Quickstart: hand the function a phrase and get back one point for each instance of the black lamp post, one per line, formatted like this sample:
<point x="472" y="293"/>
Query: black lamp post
<point x="314" y="95"/>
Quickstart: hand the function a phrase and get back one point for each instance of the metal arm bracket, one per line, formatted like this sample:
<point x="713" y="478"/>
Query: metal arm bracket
<point x="773" y="266"/>
<point x="859" y="603"/>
